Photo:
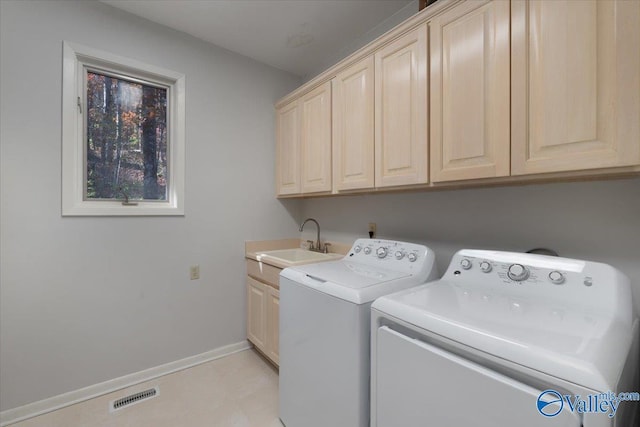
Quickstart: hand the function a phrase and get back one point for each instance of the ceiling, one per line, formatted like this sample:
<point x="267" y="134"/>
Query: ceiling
<point x="293" y="35"/>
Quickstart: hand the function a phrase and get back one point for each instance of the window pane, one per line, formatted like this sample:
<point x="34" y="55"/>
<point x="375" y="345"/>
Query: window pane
<point x="126" y="153"/>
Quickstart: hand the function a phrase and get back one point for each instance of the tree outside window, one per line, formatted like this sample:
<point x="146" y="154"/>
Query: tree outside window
<point x="126" y="139"/>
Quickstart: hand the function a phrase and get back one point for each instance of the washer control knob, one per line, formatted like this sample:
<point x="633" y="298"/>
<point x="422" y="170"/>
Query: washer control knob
<point x="518" y="272"/>
<point x="465" y="263"/>
<point x="412" y="257"/>
<point x="357" y="249"/>
<point x="367" y="250"/>
<point x="556" y="277"/>
<point x="399" y="255"/>
<point x="485" y="266"/>
<point x="381" y="252"/>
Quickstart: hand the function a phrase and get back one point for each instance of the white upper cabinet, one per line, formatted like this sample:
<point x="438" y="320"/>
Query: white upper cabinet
<point x="315" y="139"/>
<point x="472" y="92"/>
<point x="353" y="131"/>
<point x="401" y="122"/>
<point x="575" y="85"/>
<point x="303" y="143"/>
<point x="288" y="149"/>
<point x="469" y="76"/>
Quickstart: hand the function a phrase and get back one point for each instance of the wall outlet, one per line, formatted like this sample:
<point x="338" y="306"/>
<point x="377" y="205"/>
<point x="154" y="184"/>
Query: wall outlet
<point x="194" y="272"/>
<point x="372" y="229"/>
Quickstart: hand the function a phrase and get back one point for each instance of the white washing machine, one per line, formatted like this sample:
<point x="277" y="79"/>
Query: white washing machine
<point x="325" y="329"/>
<point x="507" y="340"/>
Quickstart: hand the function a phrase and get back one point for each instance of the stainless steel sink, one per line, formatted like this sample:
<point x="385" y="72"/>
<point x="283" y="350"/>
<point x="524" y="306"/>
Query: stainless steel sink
<point x="296" y="256"/>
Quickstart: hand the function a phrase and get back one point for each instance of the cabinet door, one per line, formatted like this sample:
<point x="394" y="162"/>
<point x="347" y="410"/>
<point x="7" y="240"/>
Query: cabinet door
<point x="469" y="51"/>
<point x="273" y="325"/>
<point x="401" y="110"/>
<point x="353" y="141"/>
<point x="256" y="313"/>
<point x="288" y="149"/>
<point x="576" y="85"/>
<point x="315" y="139"/>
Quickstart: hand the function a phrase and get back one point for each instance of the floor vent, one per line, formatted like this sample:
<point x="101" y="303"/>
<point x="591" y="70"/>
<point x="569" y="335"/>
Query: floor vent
<point x="133" y="398"/>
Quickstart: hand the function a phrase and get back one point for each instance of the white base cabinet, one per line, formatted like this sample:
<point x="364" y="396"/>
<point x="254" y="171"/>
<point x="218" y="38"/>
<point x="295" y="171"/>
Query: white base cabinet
<point x="263" y="309"/>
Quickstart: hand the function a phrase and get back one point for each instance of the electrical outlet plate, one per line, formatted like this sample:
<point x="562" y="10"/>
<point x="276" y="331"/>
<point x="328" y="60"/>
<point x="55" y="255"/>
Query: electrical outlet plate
<point x="372" y="228"/>
<point x="194" y="272"/>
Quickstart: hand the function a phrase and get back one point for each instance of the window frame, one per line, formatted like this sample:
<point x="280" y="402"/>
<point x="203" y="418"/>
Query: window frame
<point x="77" y="59"/>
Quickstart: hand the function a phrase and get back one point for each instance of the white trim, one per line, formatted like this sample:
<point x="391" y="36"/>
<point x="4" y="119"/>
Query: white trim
<point x="60" y="401"/>
<point x="75" y="58"/>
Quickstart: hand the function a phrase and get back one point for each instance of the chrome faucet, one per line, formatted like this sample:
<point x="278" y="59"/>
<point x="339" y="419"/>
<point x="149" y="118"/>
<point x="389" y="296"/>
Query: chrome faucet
<point x="318" y="245"/>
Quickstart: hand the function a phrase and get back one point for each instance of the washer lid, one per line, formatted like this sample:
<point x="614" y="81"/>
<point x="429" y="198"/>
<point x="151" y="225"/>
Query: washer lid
<point x="350" y="274"/>
<point x="350" y="281"/>
<point x="577" y="343"/>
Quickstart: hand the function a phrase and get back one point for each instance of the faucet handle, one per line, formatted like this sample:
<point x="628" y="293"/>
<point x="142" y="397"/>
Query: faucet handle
<point x="311" y="247"/>
<point x="326" y="248"/>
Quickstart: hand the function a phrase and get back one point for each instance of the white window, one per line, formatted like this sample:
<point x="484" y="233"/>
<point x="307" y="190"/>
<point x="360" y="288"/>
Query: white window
<point x="122" y="136"/>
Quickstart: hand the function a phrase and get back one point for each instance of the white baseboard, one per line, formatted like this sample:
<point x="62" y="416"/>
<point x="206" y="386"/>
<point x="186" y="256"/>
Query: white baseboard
<point x="50" y="404"/>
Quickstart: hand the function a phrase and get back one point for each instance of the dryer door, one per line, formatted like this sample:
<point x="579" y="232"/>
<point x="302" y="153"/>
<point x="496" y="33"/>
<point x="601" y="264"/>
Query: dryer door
<point x="418" y="384"/>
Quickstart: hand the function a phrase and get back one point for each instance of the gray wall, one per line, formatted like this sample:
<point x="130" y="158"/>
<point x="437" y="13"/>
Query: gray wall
<point x="343" y="51"/>
<point x="84" y="300"/>
<point x="598" y="221"/>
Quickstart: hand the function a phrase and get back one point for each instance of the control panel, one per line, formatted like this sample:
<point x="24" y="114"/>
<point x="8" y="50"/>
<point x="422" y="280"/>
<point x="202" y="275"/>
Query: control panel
<point x="390" y="254"/>
<point x="551" y="278"/>
<point x="518" y="268"/>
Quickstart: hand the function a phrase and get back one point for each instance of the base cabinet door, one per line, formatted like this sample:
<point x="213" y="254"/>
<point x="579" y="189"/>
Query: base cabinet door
<point x="575" y="85"/>
<point x="470" y="91"/>
<point x="273" y="326"/>
<point x="401" y="122"/>
<point x="257" y="294"/>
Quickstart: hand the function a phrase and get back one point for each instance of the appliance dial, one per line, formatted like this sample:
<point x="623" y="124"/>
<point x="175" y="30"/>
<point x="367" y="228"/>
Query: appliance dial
<point x="518" y="272"/>
<point x="412" y="257"/>
<point x="357" y="249"/>
<point x="381" y="252"/>
<point x="367" y="250"/>
<point x="465" y="263"/>
<point x="399" y="255"/>
<point x="485" y="266"/>
<point x="556" y="277"/>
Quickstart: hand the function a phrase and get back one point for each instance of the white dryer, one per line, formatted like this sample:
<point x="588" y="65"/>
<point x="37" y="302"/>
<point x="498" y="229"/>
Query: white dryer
<point x="507" y="340"/>
<point x="325" y="329"/>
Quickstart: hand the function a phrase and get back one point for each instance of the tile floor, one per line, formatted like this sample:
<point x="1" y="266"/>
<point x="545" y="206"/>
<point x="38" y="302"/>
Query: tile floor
<point x="239" y="390"/>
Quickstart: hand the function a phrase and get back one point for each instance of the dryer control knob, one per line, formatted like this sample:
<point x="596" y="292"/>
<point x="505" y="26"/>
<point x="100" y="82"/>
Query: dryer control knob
<point x="518" y="272"/>
<point x="465" y="263"/>
<point x="485" y="266"/>
<point x="367" y="250"/>
<point x="399" y="255"/>
<point x="381" y="252"/>
<point x="412" y="257"/>
<point x="357" y="249"/>
<point x="556" y="277"/>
